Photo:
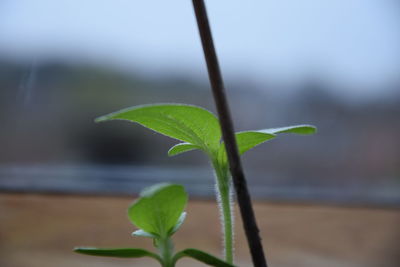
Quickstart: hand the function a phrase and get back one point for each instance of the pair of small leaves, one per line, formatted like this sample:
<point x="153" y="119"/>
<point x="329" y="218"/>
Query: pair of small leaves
<point x="159" y="212"/>
<point x="197" y="128"/>
<point x="138" y="253"/>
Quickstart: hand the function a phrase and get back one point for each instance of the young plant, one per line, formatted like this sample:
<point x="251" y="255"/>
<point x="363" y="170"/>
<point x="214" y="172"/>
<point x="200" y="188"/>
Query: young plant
<point x="199" y="129"/>
<point x="158" y="213"/>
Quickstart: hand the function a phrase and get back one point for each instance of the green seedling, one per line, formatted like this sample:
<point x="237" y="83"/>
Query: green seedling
<point x="158" y="213"/>
<point x="199" y="129"/>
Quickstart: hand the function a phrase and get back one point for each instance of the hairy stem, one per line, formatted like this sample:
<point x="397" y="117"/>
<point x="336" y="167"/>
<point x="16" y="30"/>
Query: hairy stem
<point x="225" y="204"/>
<point x="228" y="133"/>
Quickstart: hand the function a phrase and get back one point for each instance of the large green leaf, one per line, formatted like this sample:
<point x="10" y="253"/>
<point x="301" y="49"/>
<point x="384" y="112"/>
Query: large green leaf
<point x="187" y="123"/>
<point x="117" y="252"/>
<point x="159" y="209"/>
<point x="202" y="256"/>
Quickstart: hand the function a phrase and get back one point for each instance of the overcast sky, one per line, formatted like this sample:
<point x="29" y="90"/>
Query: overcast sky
<point x="351" y="42"/>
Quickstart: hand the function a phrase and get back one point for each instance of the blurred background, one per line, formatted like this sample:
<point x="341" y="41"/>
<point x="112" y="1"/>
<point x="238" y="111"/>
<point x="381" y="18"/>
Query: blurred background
<point x="331" y="199"/>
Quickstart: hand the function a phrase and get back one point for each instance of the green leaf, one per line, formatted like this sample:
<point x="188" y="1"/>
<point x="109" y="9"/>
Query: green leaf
<point x="187" y="123"/>
<point x="202" y="256"/>
<point x="181" y="148"/>
<point x="143" y="234"/>
<point x="297" y="129"/>
<point x="117" y="252"/>
<point x="158" y="209"/>
<point x="173" y="231"/>
<point x="179" y="223"/>
<point x="249" y="139"/>
<point x="246" y="140"/>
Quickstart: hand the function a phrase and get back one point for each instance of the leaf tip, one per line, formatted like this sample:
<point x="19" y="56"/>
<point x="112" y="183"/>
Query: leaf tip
<point x="79" y="249"/>
<point x="101" y="119"/>
<point x="171" y="152"/>
<point x="311" y="129"/>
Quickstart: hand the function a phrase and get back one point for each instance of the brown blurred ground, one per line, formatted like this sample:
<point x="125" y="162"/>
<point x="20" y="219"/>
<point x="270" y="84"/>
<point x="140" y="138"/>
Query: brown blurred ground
<point x="40" y="231"/>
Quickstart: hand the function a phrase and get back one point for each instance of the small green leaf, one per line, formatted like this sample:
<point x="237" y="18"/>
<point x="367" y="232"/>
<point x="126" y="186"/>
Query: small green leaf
<point x="181" y="148"/>
<point x="143" y="234"/>
<point x="179" y="223"/>
<point x="297" y="129"/>
<point x="246" y="140"/>
<point x="202" y="256"/>
<point x="249" y="139"/>
<point x="117" y="252"/>
<point x="187" y="123"/>
<point x="159" y="208"/>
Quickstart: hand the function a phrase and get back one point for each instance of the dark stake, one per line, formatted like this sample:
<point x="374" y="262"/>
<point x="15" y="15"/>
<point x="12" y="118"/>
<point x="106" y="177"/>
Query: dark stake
<point x="239" y="180"/>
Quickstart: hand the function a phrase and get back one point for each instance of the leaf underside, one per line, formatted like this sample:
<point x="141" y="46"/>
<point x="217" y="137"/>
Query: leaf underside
<point x="297" y="129"/>
<point x="142" y="233"/>
<point x="178" y="225"/>
<point x="181" y="148"/>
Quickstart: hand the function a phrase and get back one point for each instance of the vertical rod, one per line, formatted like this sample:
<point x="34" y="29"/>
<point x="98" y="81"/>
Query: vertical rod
<point x="239" y="180"/>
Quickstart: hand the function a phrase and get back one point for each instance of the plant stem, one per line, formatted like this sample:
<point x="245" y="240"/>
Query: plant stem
<point x="166" y="250"/>
<point x="235" y="165"/>
<point x="225" y="204"/>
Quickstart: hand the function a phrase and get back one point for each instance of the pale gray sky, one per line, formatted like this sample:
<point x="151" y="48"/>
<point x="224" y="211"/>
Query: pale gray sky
<point x="354" y="42"/>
